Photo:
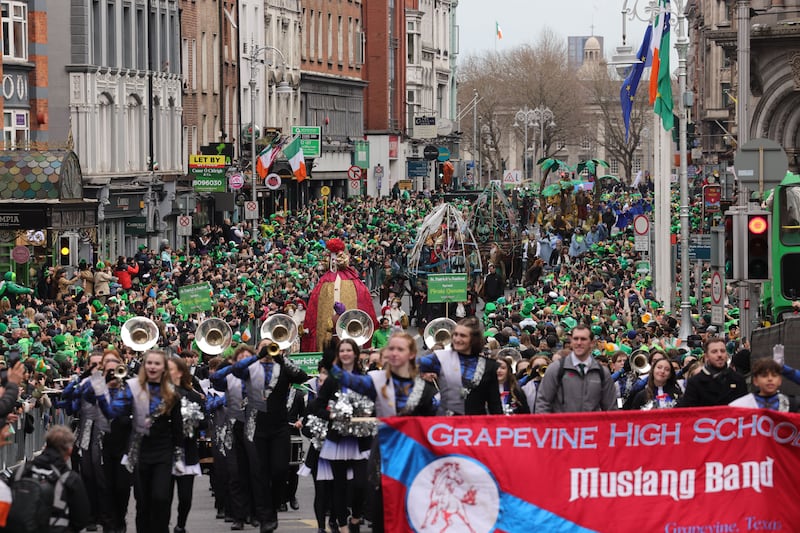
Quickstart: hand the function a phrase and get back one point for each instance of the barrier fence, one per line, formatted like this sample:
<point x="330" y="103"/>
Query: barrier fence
<point x="24" y="445"/>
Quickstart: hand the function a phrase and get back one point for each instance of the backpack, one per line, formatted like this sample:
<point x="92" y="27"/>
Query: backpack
<point x="33" y="492"/>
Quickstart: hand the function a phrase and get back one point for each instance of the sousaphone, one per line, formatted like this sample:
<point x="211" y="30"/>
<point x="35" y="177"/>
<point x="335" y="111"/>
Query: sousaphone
<point x="439" y="331"/>
<point x="139" y="333"/>
<point x="213" y="336"/>
<point x="281" y="330"/>
<point x="355" y="324"/>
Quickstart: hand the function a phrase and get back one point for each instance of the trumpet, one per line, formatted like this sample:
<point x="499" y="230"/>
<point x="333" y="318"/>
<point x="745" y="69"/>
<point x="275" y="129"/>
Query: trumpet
<point x="120" y="372"/>
<point x="541" y="371"/>
<point x="273" y="349"/>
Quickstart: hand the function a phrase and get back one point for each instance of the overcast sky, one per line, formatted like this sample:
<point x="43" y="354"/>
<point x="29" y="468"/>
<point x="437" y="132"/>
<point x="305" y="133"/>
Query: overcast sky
<point x="523" y="20"/>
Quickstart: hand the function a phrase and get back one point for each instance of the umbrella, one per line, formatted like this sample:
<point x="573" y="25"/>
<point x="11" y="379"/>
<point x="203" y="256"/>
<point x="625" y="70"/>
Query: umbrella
<point x="590" y="165"/>
<point x="551" y="190"/>
<point x="609" y="177"/>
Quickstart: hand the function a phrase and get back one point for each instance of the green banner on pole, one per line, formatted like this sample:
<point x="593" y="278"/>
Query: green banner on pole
<point x="443" y="288"/>
<point x="195" y="298"/>
<point x="307" y="361"/>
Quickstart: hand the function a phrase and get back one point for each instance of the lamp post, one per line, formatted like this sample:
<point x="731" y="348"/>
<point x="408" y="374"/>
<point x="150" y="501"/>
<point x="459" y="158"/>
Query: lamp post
<point x="677" y="9"/>
<point x="543" y="117"/>
<point x="524" y="119"/>
<point x="283" y="88"/>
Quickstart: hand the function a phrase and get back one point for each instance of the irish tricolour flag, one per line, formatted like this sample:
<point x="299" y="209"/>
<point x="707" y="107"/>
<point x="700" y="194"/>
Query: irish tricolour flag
<point x="294" y="153"/>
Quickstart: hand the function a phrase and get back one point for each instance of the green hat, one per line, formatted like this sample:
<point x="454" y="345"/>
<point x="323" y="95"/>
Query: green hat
<point x="569" y="324"/>
<point x="490" y="307"/>
<point x="100" y="265"/>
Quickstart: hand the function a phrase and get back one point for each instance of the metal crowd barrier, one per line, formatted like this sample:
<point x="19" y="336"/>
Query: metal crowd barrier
<point x="24" y="445"/>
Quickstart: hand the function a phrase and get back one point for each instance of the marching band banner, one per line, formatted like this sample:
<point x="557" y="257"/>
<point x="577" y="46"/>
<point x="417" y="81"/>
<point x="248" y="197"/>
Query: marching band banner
<point x="710" y="470"/>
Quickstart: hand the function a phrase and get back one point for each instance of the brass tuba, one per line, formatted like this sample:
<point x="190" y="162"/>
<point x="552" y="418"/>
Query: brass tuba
<point x="640" y="363"/>
<point x="213" y="336"/>
<point x="281" y="330"/>
<point x="439" y="331"/>
<point x="139" y="333"/>
<point x="355" y="324"/>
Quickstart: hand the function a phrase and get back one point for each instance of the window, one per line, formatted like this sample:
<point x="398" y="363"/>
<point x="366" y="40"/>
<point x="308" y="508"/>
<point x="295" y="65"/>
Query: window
<point x="16" y="130"/>
<point x="339" y="42"/>
<point x="330" y="37"/>
<point x="215" y="63"/>
<point x="637" y="165"/>
<point x="613" y="167"/>
<point x="586" y="144"/>
<point x="15" y="30"/>
<point x="561" y="144"/>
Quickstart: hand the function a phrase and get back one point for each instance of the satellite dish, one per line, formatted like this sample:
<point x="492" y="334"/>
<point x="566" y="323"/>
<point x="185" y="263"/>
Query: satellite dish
<point x="445" y="127"/>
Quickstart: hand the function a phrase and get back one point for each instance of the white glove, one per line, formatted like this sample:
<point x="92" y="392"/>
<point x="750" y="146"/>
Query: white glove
<point x="777" y="354"/>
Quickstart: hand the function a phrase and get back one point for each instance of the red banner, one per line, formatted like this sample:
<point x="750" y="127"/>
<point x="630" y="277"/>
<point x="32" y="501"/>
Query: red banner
<point x="711" y="470"/>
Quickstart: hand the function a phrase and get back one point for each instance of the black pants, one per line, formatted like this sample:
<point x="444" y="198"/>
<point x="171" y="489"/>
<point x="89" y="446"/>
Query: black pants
<point x="119" y="488"/>
<point x="323" y="494"/>
<point x="240" y="497"/>
<point x="94" y="479"/>
<point x="219" y="482"/>
<point x="185" y="485"/>
<point x="269" y="465"/>
<point x="340" y="493"/>
<point x="152" y="488"/>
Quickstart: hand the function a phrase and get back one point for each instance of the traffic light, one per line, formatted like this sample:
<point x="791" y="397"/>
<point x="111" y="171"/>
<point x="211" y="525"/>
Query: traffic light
<point x="728" y="259"/>
<point x="64" y="251"/>
<point x="757" y="246"/>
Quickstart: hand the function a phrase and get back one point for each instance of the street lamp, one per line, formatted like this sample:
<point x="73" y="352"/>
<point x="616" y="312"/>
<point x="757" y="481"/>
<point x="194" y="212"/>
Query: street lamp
<point x="524" y="119"/>
<point x="677" y="9"/>
<point x="543" y="117"/>
<point x="283" y="88"/>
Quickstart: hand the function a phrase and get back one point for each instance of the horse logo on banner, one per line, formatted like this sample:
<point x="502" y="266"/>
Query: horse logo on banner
<point x="461" y="495"/>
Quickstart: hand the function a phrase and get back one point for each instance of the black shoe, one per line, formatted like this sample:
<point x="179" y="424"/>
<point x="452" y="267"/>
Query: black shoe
<point x="220" y="515"/>
<point x="294" y="504"/>
<point x="228" y="519"/>
<point x="179" y="529"/>
<point x="282" y="508"/>
<point x="269" y="527"/>
<point x="237" y="526"/>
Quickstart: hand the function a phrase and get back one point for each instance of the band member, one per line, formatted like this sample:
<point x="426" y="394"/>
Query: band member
<point x="343" y="452"/>
<point x="514" y="401"/>
<point x="296" y="405"/>
<point x="115" y="444"/>
<point x="192" y="416"/>
<point x="662" y="389"/>
<point x="467" y="381"/>
<point x="217" y="429"/>
<point x="267" y="382"/>
<point x="531" y="381"/>
<point x="151" y="401"/>
<point x="232" y="437"/>
<point x="397" y="391"/>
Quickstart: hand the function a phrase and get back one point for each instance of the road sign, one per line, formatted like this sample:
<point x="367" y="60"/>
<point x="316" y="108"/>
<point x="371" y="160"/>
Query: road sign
<point x="251" y="210"/>
<point x="641" y="230"/>
<point x="236" y="181"/>
<point x="325" y="190"/>
<point x="430" y="153"/>
<point x="273" y="182"/>
<point x="761" y="161"/>
<point x="447" y="288"/>
<point x="21" y="254"/>
<point x="354" y="173"/>
<point x="716" y="288"/>
<point x="699" y="247"/>
<point x="184" y="226"/>
<point x="355" y="185"/>
<point x="195" y="298"/>
<point x="310" y="139"/>
<point x="444" y="154"/>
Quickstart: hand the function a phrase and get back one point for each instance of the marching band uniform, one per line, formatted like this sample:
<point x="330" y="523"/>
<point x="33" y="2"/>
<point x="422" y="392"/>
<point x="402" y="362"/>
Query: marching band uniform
<point x="156" y="434"/>
<point x="267" y="430"/>
<point x="344" y="454"/>
<point x="115" y="444"/>
<point x="513" y="400"/>
<point x="296" y="406"/>
<point x="215" y="409"/>
<point x="232" y="438"/>
<point x="468" y="383"/>
<point x="183" y="475"/>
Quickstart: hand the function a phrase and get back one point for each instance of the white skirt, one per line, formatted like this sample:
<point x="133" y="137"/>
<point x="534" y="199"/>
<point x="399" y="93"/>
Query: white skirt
<point x="344" y="450"/>
<point x="189" y="470"/>
<point x="324" y="471"/>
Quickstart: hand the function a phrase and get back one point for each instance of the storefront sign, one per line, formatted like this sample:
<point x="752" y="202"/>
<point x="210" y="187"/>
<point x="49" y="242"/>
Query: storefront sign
<point x="208" y="173"/>
<point x="23" y="219"/>
<point x="710" y="469"/>
<point x="136" y="226"/>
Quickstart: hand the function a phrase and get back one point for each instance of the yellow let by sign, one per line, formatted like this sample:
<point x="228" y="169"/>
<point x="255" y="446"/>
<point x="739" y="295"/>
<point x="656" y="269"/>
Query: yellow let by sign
<point x="206" y="160"/>
<point x="325" y="190"/>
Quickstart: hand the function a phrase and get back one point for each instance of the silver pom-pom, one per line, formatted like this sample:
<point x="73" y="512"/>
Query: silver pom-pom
<point x="351" y="405"/>
<point x="318" y="428"/>
<point x="192" y="414"/>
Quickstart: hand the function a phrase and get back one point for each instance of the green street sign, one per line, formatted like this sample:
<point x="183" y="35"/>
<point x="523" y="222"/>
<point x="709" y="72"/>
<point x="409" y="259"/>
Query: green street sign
<point x="195" y="298"/>
<point x="361" y="155"/>
<point x="307" y="361"/>
<point x="310" y="140"/>
<point x="444" y="288"/>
